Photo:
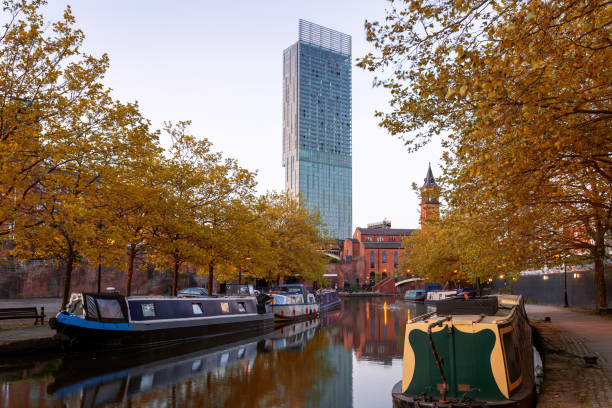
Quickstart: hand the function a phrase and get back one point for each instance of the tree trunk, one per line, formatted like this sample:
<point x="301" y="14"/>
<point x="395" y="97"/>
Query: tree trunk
<point x="601" y="303"/>
<point x="211" y="267"/>
<point x="132" y="255"/>
<point x="66" y="294"/>
<point x="175" y="277"/>
<point x="600" y="284"/>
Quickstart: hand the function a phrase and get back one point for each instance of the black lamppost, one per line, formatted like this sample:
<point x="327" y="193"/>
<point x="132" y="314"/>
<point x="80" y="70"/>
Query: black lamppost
<point x="99" y="272"/>
<point x="565" y="284"/>
<point x="248" y="258"/>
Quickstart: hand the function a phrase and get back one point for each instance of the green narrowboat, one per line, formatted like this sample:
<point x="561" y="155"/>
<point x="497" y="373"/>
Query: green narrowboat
<point x="469" y="353"/>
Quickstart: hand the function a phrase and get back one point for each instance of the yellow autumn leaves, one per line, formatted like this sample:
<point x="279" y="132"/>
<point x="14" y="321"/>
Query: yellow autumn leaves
<point x="83" y="178"/>
<point x="521" y="92"/>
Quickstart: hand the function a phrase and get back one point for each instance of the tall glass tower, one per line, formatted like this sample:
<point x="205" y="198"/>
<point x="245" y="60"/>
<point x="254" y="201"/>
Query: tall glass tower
<point x="317" y="124"/>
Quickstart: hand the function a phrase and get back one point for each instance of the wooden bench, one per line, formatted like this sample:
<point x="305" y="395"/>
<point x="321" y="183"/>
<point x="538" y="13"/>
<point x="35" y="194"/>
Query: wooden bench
<point x="23" y="313"/>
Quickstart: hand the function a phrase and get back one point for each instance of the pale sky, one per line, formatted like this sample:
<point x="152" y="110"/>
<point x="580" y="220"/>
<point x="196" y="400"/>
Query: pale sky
<point x="219" y="64"/>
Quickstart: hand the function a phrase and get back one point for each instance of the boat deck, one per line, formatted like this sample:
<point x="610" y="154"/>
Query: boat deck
<point x="507" y="306"/>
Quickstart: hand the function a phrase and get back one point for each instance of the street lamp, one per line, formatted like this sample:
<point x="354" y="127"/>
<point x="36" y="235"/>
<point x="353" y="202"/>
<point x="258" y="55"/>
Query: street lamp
<point x="565" y="283"/>
<point x="248" y="258"/>
<point x="564" y="280"/>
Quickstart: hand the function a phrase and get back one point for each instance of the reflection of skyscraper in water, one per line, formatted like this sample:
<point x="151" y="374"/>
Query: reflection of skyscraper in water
<point x="336" y="390"/>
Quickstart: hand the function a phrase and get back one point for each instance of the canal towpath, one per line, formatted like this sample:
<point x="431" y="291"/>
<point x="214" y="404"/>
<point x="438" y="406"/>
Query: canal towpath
<point x="570" y="334"/>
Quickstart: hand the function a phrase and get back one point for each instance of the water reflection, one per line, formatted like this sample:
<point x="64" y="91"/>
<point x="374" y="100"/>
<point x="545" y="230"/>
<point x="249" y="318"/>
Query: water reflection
<point x="316" y="363"/>
<point x="375" y="329"/>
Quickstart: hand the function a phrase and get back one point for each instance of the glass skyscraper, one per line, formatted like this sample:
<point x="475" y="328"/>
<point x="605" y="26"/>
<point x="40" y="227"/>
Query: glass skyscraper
<point x="317" y="124"/>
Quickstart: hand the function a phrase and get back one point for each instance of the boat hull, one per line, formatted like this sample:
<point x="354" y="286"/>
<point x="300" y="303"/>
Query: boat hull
<point x="400" y="400"/>
<point x="134" y="335"/>
<point x="295" y="311"/>
<point x="416" y="299"/>
<point x="330" y="306"/>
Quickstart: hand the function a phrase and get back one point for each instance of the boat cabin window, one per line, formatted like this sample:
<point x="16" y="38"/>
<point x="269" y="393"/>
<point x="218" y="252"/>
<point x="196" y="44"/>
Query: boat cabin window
<point x="224" y="307"/>
<point x="241" y="307"/>
<point x="513" y="358"/>
<point x="197" y="308"/>
<point x="109" y="309"/>
<point x="278" y="300"/>
<point x="311" y="298"/>
<point x="148" y="309"/>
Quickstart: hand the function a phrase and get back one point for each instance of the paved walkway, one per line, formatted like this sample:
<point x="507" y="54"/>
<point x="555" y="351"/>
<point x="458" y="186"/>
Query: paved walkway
<point x="20" y="336"/>
<point x="51" y="305"/>
<point x="567" y="382"/>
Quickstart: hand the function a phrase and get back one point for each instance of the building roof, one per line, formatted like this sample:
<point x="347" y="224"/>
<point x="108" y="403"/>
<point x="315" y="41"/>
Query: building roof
<point x="382" y="245"/>
<point x="430" y="181"/>
<point x="385" y="231"/>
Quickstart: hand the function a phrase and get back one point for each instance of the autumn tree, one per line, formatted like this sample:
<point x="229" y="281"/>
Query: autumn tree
<point x="72" y="202"/>
<point x="201" y="204"/>
<point x="63" y="143"/>
<point x="45" y="82"/>
<point x="517" y="90"/>
<point x="292" y="232"/>
<point x="228" y="220"/>
<point x="131" y="198"/>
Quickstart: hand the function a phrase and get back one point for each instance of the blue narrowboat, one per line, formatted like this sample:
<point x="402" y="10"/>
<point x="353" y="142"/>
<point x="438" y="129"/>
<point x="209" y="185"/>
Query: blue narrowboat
<point x="328" y="300"/>
<point x="110" y="320"/>
<point x="416" y="295"/>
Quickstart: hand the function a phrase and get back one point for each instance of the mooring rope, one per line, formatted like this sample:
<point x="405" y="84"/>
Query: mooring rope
<point x="439" y="361"/>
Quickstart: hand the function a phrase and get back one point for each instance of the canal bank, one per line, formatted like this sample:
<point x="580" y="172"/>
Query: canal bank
<point x="566" y="338"/>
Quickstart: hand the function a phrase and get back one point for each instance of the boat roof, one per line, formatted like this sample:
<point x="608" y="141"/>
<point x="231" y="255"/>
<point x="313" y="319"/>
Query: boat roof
<point x="506" y="306"/>
<point x="290" y="288"/>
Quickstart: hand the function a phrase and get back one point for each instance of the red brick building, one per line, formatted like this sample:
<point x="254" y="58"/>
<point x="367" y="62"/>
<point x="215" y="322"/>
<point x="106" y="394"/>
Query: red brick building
<point x="378" y="248"/>
<point x="376" y="252"/>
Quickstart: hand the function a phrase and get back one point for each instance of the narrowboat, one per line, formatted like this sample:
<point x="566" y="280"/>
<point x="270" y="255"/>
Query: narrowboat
<point x="416" y="295"/>
<point x="436" y="295"/>
<point x="328" y="300"/>
<point x="292" y="302"/>
<point x="470" y="352"/>
<point x="110" y="320"/>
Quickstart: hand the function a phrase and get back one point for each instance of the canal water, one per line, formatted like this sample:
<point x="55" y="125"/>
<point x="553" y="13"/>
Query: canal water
<point x="349" y="357"/>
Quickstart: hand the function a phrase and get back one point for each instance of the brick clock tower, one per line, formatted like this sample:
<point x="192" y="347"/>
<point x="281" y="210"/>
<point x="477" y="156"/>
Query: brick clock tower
<point x="430" y="192"/>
